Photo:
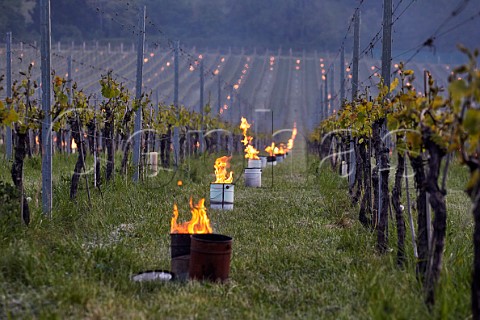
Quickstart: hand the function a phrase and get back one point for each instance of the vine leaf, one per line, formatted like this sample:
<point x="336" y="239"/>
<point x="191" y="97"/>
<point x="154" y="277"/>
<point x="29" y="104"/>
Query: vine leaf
<point x="12" y="116"/>
<point x="394" y="84"/>
<point x="458" y="89"/>
<point x="472" y="121"/>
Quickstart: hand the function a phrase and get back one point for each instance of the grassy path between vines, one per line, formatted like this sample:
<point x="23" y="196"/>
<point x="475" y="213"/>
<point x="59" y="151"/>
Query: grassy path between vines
<point x="298" y="251"/>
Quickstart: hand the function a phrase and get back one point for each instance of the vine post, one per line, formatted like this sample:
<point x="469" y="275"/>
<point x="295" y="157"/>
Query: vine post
<point x="202" y="91"/>
<point x="176" y="129"/>
<point x="137" y="137"/>
<point x="8" y="138"/>
<point x="70" y="98"/>
<point x="383" y="162"/>
<point x="46" y="98"/>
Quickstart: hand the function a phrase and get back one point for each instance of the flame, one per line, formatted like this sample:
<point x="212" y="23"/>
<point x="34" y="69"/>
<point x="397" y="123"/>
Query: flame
<point x="221" y="165"/>
<point x="292" y="139"/>
<point x="271" y="149"/>
<point x="250" y="151"/>
<point x="37" y="140"/>
<point x="200" y="223"/>
<point x="281" y="149"/>
<point x="74" y="145"/>
<point x="179" y="183"/>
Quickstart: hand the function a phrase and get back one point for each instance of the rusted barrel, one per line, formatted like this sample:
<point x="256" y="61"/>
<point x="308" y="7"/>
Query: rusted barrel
<point x="180" y="253"/>
<point x="210" y="257"/>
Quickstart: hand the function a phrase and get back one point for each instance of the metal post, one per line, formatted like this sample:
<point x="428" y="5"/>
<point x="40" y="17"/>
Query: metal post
<point x="219" y="94"/>
<point x="176" y="146"/>
<point x="332" y="89"/>
<point x="46" y="45"/>
<point x="231" y="105"/>
<point x="176" y="130"/>
<point x="202" y="89"/>
<point x="320" y="111"/>
<point x="8" y="138"/>
<point x="325" y="97"/>
<point x="342" y="76"/>
<point x="387" y="42"/>
<point x="386" y="62"/>
<point x="70" y="98"/>
<point x="356" y="54"/>
<point x="175" y="88"/>
<point x="137" y="135"/>
<point x="95" y="148"/>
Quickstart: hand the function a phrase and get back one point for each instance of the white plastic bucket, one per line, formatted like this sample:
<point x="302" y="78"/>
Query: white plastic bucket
<point x="264" y="161"/>
<point x="344" y="168"/>
<point x="279" y="158"/>
<point x="254" y="163"/>
<point x="253" y="177"/>
<point x="153" y="162"/>
<point x="221" y="196"/>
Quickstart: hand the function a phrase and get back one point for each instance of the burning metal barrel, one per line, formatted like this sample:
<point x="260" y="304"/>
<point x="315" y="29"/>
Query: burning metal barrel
<point x="221" y="196"/>
<point x="180" y="254"/>
<point x="279" y="157"/>
<point x="272" y="160"/>
<point x="180" y="234"/>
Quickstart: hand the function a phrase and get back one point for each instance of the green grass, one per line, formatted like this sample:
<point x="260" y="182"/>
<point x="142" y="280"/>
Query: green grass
<point x="298" y="251"/>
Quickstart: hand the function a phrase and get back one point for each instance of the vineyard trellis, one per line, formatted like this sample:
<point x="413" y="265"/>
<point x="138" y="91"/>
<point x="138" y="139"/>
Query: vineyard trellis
<point x="428" y="130"/>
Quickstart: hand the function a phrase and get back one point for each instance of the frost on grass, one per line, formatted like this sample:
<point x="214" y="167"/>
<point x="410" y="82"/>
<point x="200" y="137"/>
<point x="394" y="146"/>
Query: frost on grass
<point x="117" y="235"/>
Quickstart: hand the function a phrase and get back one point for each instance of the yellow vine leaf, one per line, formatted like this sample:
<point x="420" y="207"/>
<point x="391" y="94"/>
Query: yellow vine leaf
<point x="394" y="84"/>
<point x="11" y="117"/>
<point x="474" y="180"/>
<point x="472" y="121"/>
<point x="458" y="89"/>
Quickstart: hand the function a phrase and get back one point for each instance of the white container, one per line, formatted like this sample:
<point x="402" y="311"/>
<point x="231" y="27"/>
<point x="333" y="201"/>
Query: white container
<point x="153" y="161"/>
<point x="253" y="177"/>
<point x="344" y="168"/>
<point x="264" y="161"/>
<point x="221" y="196"/>
<point x="254" y="163"/>
<point x="279" y="158"/>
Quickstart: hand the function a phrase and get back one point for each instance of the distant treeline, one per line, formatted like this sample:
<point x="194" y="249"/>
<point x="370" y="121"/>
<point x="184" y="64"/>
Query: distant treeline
<point x="297" y="24"/>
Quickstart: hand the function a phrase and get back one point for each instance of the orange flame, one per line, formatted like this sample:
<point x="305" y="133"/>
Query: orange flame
<point x="37" y="140"/>
<point x="221" y="165"/>
<point x="250" y="151"/>
<point x="292" y="139"/>
<point x="200" y="223"/>
<point x="280" y="149"/>
<point x="271" y="149"/>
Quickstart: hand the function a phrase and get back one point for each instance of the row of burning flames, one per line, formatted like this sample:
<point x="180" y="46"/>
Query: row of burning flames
<point x="250" y="151"/>
<point x="200" y="223"/>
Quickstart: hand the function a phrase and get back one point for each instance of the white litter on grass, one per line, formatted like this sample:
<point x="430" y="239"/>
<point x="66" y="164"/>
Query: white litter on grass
<point x="120" y="233"/>
<point x="152" y="276"/>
